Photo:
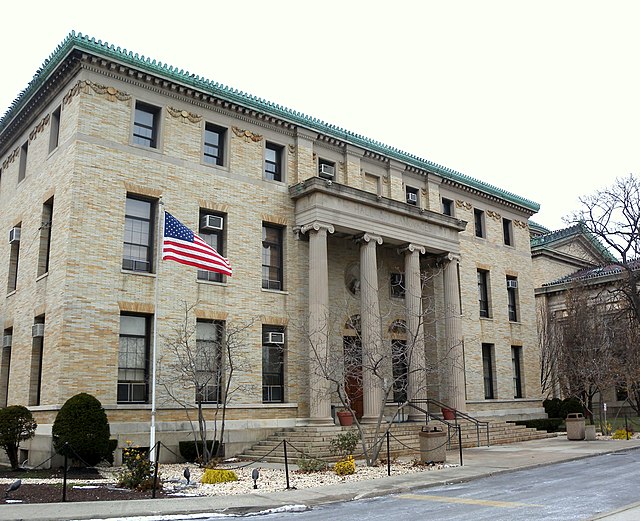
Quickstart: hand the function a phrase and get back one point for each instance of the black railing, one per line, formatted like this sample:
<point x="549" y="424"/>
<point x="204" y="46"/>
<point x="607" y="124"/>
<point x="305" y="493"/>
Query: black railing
<point x="426" y="407"/>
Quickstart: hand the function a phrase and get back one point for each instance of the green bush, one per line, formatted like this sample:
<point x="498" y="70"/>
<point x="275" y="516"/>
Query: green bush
<point x="344" y="443"/>
<point x="138" y="469"/>
<point x="189" y="453"/>
<point x="307" y="464"/>
<point x="16" y="425"/>
<point x="543" y="424"/>
<point x="570" y="405"/>
<point x="552" y="407"/>
<point x="82" y="424"/>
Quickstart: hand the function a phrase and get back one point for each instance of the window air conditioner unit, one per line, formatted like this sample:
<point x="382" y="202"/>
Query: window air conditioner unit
<point x="14" y="235"/>
<point x="6" y="340"/>
<point x="212" y="222"/>
<point x="511" y="283"/>
<point x="412" y="197"/>
<point x="37" y="330"/>
<point x="275" y="338"/>
<point x="327" y="171"/>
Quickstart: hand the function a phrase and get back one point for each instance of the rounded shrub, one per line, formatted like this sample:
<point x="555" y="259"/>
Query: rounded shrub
<point x="212" y="476"/>
<point x="81" y="430"/>
<point x="345" y="467"/>
<point x="16" y="425"/>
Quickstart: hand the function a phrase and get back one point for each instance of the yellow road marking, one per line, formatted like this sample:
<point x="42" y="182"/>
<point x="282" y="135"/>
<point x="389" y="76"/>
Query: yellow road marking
<point x="485" y="502"/>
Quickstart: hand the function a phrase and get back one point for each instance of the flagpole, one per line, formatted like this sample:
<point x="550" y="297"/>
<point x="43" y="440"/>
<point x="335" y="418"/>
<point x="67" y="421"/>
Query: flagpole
<point x="152" y="431"/>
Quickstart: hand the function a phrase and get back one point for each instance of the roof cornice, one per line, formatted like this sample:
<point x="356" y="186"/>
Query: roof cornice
<point x="233" y="96"/>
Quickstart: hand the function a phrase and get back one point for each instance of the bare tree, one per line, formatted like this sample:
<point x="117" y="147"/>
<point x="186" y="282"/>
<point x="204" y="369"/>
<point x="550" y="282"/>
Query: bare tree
<point x="395" y="367"/>
<point x="581" y="341"/>
<point x="199" y="363"/>
<point x="612" y="215"/>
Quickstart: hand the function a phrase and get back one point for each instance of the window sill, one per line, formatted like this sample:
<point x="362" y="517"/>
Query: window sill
<point x="212" y="283"/>
<point x="43" y="276"/>
<point x="141" y="273"/>
<point x="11" y="293"/>
<point x="276" y="291"/>
<point x="490" y="319"/>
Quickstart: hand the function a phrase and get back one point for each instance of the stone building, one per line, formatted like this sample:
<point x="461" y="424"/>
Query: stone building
<point x="346" y="230"/>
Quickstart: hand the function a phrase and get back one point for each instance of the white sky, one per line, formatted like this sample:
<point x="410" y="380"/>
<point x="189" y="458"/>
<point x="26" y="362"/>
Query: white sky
<point x="538" y="97"/>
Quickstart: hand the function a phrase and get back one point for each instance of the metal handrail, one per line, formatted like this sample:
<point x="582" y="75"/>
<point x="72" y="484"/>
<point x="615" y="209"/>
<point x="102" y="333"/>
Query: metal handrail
<point x="449" y="425"/>
<point x="457" y="414"/>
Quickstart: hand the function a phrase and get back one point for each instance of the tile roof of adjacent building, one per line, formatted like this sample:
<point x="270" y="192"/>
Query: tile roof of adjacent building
<point x="594" y="273"/>
<point x="577" y="229"/>
<point x="89" y="44"/>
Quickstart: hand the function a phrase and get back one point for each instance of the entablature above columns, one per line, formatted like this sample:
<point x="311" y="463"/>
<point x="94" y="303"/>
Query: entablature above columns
<point x="353" y="212"/>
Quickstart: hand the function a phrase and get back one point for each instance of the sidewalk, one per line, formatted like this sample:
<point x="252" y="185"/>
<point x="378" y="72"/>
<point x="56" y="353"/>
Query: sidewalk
<point x="478" y="462"/>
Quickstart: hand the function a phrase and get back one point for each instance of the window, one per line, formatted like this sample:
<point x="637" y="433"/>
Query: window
<point x="512" y="297"/>
<point x="54" y="132"/>
<point x="145" y="125"/>
<point x="487" y="371"/>
<point x="397" y="285"/>
<point x="507" y="232"/>
<point x="272" y="364"/>
<point x="45" y="237"/>
<point x="478" y="220"/>
<point x="22" y="168"/>
<point x="212" y="232"/>
<point x="272" y="257"/>
<point x="209" y="335"/>
<point x="273" y="162"/>
<point x="411" y="195"/>
<point x="214" y="137"/>
<point x="138" y="235"/>
<point x="5" y="366"/>
<point x="133" y="359"/>
<point x="37" y="352"/>
<point x="400" y="367"/>
<point x="447" y="206"/>
<point x="483" y="293"/>
<point x="516" y="361"/>
<point x="14" y="255"/>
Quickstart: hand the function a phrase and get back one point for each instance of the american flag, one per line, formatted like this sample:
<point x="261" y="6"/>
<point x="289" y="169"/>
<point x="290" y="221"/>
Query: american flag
<point x="182" y="245"/>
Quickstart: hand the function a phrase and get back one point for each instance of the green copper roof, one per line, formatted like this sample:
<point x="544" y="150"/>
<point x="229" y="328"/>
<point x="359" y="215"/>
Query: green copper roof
<point x="571" y="231"/>
<point x="88" y="44"/>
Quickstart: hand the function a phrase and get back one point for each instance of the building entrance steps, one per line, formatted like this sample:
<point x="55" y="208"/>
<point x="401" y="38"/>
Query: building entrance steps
<point x="315" y="442"/>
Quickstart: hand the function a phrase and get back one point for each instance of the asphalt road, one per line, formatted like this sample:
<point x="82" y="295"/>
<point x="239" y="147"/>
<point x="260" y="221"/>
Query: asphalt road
<point x="574" y="490"/>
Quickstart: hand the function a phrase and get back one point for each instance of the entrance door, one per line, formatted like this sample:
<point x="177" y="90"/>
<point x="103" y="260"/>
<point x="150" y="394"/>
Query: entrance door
<point x="353" y="373"/>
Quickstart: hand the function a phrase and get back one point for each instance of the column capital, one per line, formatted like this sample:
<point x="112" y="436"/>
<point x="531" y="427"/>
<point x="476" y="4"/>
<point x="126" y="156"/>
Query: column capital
<point x="410" y="247"/>
<point x="449" y="257"/>
<point x="369" y="237"/>
<point x="317" y="226"/>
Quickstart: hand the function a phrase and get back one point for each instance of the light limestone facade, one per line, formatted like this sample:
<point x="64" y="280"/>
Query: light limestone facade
<point x="359" y="222"/>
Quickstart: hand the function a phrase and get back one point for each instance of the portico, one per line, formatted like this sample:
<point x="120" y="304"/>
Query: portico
<point x="328" y="208"/>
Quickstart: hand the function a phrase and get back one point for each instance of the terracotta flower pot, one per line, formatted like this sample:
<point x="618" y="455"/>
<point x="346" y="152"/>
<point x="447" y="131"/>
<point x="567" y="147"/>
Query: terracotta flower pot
<point x="345" y="418"/>
<point x="448" y="414"/>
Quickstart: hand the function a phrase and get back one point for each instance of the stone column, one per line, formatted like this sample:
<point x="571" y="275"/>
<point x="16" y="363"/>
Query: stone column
<point x="417" y="384"/>
<point x="453" y="330"/>
<point x="319" y="393"/>
<point x="371" y="328"/>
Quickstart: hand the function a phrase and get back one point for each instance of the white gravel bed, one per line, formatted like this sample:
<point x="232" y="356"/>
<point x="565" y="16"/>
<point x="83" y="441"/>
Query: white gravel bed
<point x="270" y="480"/>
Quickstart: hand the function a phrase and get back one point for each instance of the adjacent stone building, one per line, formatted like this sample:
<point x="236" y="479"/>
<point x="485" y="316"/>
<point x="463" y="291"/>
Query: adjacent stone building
<point x="331" y="236"/>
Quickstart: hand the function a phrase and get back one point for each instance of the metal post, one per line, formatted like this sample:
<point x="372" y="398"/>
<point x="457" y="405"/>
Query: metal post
<point x="64" y="473"/>
<point x="626" y="427"/>
<point x="286" y="462"/>
<point x="155" y="470"/>
<point x="460" y="443"/>
<point x="388" y="457"/>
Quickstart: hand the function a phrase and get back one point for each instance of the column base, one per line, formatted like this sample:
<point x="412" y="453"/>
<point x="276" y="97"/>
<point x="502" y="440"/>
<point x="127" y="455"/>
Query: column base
<point x="417" y="417"/>
<point x="370" y="419"/>
<point x="319" y="421"/>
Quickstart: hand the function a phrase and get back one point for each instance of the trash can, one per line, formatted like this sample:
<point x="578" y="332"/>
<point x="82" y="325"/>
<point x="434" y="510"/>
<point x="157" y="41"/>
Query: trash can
<point x="433" y="445"/>
<point x="590" y="432"/>
<point x="575" y="426"/>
